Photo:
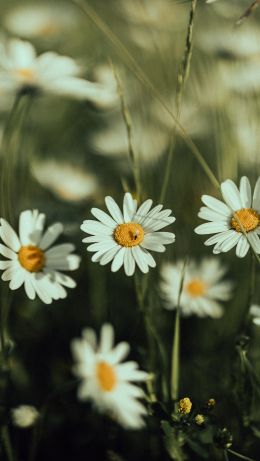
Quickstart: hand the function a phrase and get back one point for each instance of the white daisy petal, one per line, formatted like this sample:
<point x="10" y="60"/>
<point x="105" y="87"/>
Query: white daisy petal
<point x="256" y="196"/>
<point x="210" y="215"/>
<point x="109" y="255"/>
<point x="118" y="260"/>
<point x="29" y="289"/>
<point x="245" y="192"/>
<point x="142" y="211"/>
<point x="106" y="338"/>
<point x="30" y="227"/>
<point x="254" y="241"/>
<point x="231" y="194"/>
<point x="94" y="227"/>
<point x="129" y="207"/>
<point x="211" y="227"/>
<point x="129" y="262"/>
<point x="114" y="210"/>
<point x="107" y="245"/>
<point x="51" y="235"/>
<point x="216" y="205"/>
<point x="7" y="253"/>
<point x="104" y="218"/>
<point x="140" y="259"/>
<point x="9" y="236"/>
<point x="220" y="237"/>
<point x="228" y="243"/>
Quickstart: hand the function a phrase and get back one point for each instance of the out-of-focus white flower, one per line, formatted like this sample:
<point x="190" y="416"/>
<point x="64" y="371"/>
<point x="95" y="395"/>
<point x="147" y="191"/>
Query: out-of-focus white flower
<point x="104" y="75"/>
<point x="24" y="416"/>
<point x="105" y="380"/>
<point x="149" y="140"/>
<point x="244" y="77"/>
<point x="66" y="181"/>
<point x="203" y="287"/>
<point x="30" y="260"/>
<point x="242" y="42"/>
<point x="21" y="69"/>
<point x="254" y="311"/>
<point x="125" y="238"/>
<point x="40" y="21"/>
<point x="229" y="221"/>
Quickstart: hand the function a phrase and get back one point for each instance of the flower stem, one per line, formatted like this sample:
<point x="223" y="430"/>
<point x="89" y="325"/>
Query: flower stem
<point x="181" y="79"/>
<point x="7" y="443"/>
<point x="175" y="365"/>
<point x="239" y="455"/>
<point x="152" y="335"/>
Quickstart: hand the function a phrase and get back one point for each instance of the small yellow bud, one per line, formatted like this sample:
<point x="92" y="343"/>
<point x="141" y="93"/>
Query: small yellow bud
<point x="199" y="419"/>
<point x="211" y="403"/>
<point x="185" y="405"/>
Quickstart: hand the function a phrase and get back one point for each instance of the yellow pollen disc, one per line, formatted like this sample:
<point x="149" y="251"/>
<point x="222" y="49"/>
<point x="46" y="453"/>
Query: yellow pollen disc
<point x="48" y="29"/>
<point x="129" y="235"/>
<point x="247" y="217"/>
<point x="25" y="73"/>
<point x="185" y="406"/>
<point x="106" y="376"/>
<point x="196" y="288"/>
<point x="31" y="258"/>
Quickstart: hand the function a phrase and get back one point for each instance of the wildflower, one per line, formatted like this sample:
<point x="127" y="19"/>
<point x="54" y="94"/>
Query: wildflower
<point x="50" y="72"/>
<point x="236" y="222"/>
<point x="254" y="311"/>
<point x="211" y="403"/>
<point x="105" y="380"/>
<point x="185" y="406"/>
<point x="24" y="416"/>
<point x="199" y="419"/>
<point x="67" y="182"/>
<point x="31" y="261"/>
<point x="149" y="139"/>
<point x="203" y="287"/>
<point x="125" y="238"/>
<point x="43" y="21"/>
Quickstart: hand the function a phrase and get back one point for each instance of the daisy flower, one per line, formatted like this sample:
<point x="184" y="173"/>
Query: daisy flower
<point x="125" y="238"/>
<point x="45" y="21"/>
<point x="66" y="181"/>
<point x="30" y="260"/>
<point x="254" y="311"/>
<point x="24" y="416"/>
<point x="105" y="380"/>
<point x="236" y="222"/>
<point x="203" y="287"/>
<point x="50" y="72"/>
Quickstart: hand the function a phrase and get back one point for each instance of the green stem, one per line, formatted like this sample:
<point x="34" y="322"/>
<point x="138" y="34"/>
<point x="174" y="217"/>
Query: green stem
<point x="181" y="79"/>
<point x="175" y="366"/>
<point x="7" y="443"/>
<point x="152" y="335"/>
<point x="226" y="457"/>
<point x="239" y="455"/>
<point x="10" y="147"/>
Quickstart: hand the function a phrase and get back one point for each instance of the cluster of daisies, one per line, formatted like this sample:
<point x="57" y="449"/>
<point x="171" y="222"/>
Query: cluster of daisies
<point x="125" y="238"/>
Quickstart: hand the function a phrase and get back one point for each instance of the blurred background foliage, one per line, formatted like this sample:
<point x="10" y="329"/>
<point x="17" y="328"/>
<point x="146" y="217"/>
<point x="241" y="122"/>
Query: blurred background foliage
<point x="220" y="111"/>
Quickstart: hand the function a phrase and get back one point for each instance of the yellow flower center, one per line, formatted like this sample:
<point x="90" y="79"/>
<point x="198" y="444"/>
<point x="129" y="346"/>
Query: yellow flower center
<point x="245" y="219"/>
<point x="25" y="73"/>
<point x="106" y="376"/>
<point x="48" y="29"/>
<point x="196" y="288"/>
<point x="129" y="235"/>
<point x="31" y="258"/>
